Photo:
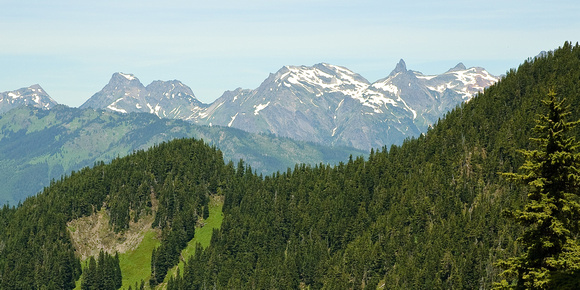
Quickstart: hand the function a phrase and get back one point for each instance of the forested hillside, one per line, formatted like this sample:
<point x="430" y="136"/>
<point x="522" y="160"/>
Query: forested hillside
<point x="178" y="177"/>
<point x="424" y="215"/>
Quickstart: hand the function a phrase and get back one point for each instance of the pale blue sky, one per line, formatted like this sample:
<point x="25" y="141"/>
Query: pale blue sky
<point x="71" y="48"/>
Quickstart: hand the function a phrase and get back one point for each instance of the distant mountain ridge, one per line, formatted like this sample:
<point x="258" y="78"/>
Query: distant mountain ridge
<point x="332" y="105"/>
<point x="323" y="103"/>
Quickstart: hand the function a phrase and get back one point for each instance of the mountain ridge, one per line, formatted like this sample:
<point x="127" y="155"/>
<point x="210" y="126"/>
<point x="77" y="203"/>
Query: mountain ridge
<point x="126" y="94"/>
<point x="322" y="103"/>
<point x="306" y="103"/>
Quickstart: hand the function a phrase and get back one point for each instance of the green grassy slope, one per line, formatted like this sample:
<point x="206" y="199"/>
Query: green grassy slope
<point x="136" y="265"/>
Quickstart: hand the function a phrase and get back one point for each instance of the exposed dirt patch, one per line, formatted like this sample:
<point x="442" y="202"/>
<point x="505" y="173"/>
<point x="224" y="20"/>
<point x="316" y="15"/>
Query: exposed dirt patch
<point x="93" y="233"/>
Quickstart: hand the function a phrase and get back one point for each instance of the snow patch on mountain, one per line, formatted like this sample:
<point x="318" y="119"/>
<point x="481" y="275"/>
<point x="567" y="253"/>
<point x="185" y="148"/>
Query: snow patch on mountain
<point x="128" y="76"/>
<point x="260" y="107"/>
<point x="424" y="77"/>
<point x="387" y="88"/>
<point x="324" y="78"/>
<point x="113" y="107"/>
<point x="233" y="118"/>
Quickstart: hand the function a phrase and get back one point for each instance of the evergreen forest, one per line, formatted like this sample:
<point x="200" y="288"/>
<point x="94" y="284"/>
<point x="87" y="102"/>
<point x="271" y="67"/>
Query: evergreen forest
<point x="429" y="214"/>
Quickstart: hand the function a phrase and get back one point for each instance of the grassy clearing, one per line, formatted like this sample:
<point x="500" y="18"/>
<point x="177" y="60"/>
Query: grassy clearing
<point x="136" y="265"/>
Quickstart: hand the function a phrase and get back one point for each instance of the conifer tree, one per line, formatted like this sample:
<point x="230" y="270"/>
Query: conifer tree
<point x="102" y="273"/>
<point x="205" y="211"/>
<point x="550" y="255"/>
<point x="90" y="274"/>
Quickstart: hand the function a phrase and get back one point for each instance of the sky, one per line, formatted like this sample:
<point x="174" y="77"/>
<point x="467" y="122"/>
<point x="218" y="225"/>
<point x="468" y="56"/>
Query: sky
<point x="71" y="48"/>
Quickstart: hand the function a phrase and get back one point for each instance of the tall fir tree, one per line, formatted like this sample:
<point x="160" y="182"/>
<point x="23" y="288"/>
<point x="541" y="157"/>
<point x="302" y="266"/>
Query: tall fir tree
<point x="550" y="257"/>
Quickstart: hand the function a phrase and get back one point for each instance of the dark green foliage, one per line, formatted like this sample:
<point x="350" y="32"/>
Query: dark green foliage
<point x="551" y="217"/>
<point x="102" y="274"/>
<point x="205" y="212"/>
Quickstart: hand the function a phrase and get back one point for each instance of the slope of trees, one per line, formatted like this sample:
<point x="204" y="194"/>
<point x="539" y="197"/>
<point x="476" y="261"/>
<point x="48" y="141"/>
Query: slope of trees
<point x="37" y="145"/>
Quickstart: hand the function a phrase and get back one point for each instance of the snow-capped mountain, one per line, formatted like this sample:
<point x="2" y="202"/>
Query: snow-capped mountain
<point x="167" y="99"/>
<point x="427" y="97"/>
<point x="297" y="102"/>
<point x="31" y="96"/>
<point x="323" y="103"/>
<point x="333" y="105"/>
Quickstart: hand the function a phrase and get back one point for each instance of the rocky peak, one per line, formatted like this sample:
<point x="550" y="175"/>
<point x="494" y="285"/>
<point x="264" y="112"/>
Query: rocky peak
<point x="400" y="68"/>
<point x="458" y="67"/>
<point x="124" y="80"/>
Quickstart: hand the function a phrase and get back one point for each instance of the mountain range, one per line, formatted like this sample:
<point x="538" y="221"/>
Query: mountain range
<point x="332" y="105"/>
<point x="324" y="103"/>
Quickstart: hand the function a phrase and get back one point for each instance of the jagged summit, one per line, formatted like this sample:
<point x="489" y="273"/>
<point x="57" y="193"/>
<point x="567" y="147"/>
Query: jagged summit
<point x="122" y="89"/>
<point x="129" y="77"/>
<point x="123" y="78"/>
<point x="458" y="67"/>
<point x="400" y="68"/>
<point x="125" y="94"/>
<point x="170" y="89"/>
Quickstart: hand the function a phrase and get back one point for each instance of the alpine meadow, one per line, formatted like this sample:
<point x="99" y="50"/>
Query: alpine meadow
<point x="458" y="207"/>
